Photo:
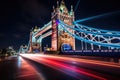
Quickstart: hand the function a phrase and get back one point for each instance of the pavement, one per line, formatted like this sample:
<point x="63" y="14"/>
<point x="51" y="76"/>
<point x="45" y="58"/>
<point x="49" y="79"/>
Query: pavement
<point x="16" y="68"/>
<point x="57" y="67"/>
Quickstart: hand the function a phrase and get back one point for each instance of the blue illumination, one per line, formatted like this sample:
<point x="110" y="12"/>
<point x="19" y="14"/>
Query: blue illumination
<point x="33" y="39"/>
<point x="36" y="51"/>
<point x="90" y="41"/>
<point x="97" y="16"/>
<point x="77" y="5"/>
<point x="66" y="47"/>
<point x="116" y="33"/>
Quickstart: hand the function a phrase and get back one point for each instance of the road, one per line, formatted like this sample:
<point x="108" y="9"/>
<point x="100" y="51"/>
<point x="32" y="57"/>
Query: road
<point x="71" y="68"/>
<point x="54" y="67"/>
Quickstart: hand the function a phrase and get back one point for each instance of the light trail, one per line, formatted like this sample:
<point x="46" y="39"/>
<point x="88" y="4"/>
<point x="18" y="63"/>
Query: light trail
<point x="102" y="63"/>
<point x="26" y="71"/>
<point x="66" y="68"/>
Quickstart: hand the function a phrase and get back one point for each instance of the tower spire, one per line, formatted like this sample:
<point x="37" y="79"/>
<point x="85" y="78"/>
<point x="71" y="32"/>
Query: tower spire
<point x="57" y="3"/>
<point x="63" y="6"/>
<point x="53" y="8"/>
<point x="71" y="8"/>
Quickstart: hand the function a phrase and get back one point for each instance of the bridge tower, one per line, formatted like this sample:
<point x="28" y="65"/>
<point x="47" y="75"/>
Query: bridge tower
<point x="34" y="45"/>
<point x="60" y="38"/>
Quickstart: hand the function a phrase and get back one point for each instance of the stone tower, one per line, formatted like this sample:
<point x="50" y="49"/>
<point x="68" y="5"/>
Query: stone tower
<point x="60" y="38"/>
<point x="34" y="45"/>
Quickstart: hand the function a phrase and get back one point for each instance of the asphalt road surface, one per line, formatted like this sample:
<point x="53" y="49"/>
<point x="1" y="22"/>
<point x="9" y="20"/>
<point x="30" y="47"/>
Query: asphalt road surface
<point x="53" y="67"/>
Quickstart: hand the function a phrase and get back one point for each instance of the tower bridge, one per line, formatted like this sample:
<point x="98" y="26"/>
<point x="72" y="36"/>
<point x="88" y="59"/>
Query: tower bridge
<point x="64" y="30"/>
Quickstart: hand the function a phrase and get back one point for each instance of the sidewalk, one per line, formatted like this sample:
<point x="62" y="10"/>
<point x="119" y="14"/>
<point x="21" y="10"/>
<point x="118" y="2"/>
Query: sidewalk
<point x="16" y="68"/>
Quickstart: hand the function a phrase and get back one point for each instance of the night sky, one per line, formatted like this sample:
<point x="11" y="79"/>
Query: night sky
<point x="17" y="17"/>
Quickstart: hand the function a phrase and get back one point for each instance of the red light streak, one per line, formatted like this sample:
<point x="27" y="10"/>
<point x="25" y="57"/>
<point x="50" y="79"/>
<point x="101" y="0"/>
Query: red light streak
<point x="27" y="71"/>
<point x="61" y="66"/>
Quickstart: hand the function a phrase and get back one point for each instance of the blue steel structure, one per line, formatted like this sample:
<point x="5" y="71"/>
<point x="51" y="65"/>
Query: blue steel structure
<point x="93" y="36"/>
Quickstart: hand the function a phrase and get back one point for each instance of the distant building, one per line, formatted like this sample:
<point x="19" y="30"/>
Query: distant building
<point x="10" y="50"/>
